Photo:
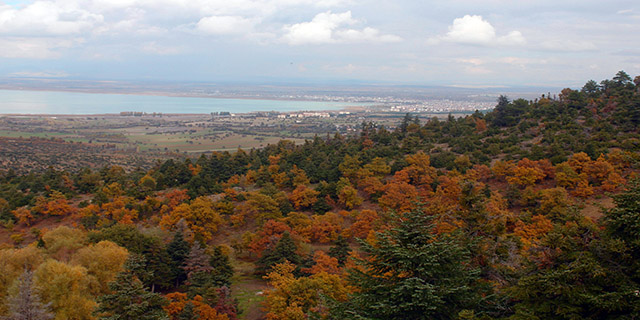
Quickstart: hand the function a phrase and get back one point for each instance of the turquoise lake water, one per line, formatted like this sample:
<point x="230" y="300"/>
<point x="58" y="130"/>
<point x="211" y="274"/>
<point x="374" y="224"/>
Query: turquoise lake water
<point x="53" y="102"/>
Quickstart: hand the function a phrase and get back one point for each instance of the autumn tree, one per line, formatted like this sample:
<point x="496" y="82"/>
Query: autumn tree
<point x="303" y="197"/>
<point x="67" y="288"/>
<point x="348" y="197"/>
<point x="349" y="166"/>
<point x="365" y="222"/>
<point x="63" y="241"/>
<point x="103" y="261"/>
<point x="268" y="236"/>
<point x="398" y="196"/>
<point x="323" y="262"/>
<point x="182" y="308"/>
<point x="298" y="298"/>
<point x="324" y="228"/>
<point x="56" y="204"/>
<point x="199" y="215"/>
<point x="299" y="177"/>
<point x="24" y="215"/>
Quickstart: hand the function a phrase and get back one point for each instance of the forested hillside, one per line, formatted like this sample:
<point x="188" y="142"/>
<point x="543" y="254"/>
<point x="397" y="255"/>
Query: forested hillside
<point x="531" y="211"/>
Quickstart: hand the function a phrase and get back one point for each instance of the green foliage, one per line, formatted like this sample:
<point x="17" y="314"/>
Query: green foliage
<point x="222" y="269"/>
<point x="285" y="249"/>
<point x="130" y="300"/>
<point x="151" y="248"/>
<point x="412" y="273"/>
<point x="340" y="250"/>
<point x="178" y="251"/>
<point x="580" y="275"/>
<point x="623" y="221"/>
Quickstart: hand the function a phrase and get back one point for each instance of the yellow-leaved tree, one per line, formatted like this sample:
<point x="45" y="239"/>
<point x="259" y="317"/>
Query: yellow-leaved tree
<point x="292" y="298"/>
<point x="103" y="261"/>
<point x="200" y="215"/>
<point x="67" y="288"/>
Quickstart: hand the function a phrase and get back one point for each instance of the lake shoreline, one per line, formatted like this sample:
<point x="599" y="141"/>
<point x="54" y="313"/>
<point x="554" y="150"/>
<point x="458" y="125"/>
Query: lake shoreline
<point x="80" y="103"/>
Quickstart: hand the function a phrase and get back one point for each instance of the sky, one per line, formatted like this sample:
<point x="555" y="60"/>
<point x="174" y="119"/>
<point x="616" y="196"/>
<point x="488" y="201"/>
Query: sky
<point x="467" y="43"/>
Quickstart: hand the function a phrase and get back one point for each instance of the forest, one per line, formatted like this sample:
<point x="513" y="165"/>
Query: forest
<point x="530" y="211"/>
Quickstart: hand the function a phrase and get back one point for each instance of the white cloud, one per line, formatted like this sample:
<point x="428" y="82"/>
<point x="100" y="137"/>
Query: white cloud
<point x="225" y="25"/>
<point x="328" y="27"/>
<point x="47" y="18"/>
<point x="366" y="34"/>
<point x="512" y="38"/>
<point x="319" y="30"/>
<point x="475" y="30"/>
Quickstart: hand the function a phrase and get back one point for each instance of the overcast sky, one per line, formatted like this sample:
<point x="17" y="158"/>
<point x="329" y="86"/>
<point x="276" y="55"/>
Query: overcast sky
<point x="444" y="42"/>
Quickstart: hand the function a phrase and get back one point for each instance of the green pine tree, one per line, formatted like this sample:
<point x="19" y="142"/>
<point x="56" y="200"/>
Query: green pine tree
<point x="285" y="249"/>
<point x="623" y="221"/>
<point x="222" y="269"/>
<point x="340" y="250"/>
<point x="178" y="250"/>
<point x="412" y="273"/>
<point x="130" y="300"/>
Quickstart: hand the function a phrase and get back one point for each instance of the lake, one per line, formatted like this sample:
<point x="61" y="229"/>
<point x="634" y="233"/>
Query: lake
<point x="56" y="102"/>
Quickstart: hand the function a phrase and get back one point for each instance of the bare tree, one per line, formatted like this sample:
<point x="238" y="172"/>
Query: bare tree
<point x="26" y="304"/>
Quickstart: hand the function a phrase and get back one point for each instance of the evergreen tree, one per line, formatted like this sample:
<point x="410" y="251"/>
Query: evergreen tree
<point x="150" y="247"/>
<point x="178" y="250"/>
<point x="26" y="305"/>
<point x="130" y="300"/>
<point x="285" y="249"/>
<point x="411" y="273"/>
<point x="222" y="269"/>
<point x="623" y="221"/>
<point x="340" y="250"/>
<point x="581" y="276"/>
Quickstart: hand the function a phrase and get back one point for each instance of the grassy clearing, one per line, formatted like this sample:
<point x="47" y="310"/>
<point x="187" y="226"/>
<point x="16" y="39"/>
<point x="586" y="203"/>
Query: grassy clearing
<point x="246" y="288"/>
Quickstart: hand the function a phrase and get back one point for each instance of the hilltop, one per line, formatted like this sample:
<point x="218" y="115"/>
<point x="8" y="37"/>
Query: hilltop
<point x="528" y="211"/>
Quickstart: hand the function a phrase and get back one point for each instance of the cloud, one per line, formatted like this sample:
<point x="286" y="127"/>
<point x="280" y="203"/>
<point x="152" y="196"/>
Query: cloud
<point x="328" y="27"/>
<point x="477" y="31"/>
<point x="46" y="18"/>
<point x="220" y="25"/>
<point x="34" y="48"/>
<point x="473" y="61"/>
<point x="155" y="48"/>
<point x="568" y="45"/>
